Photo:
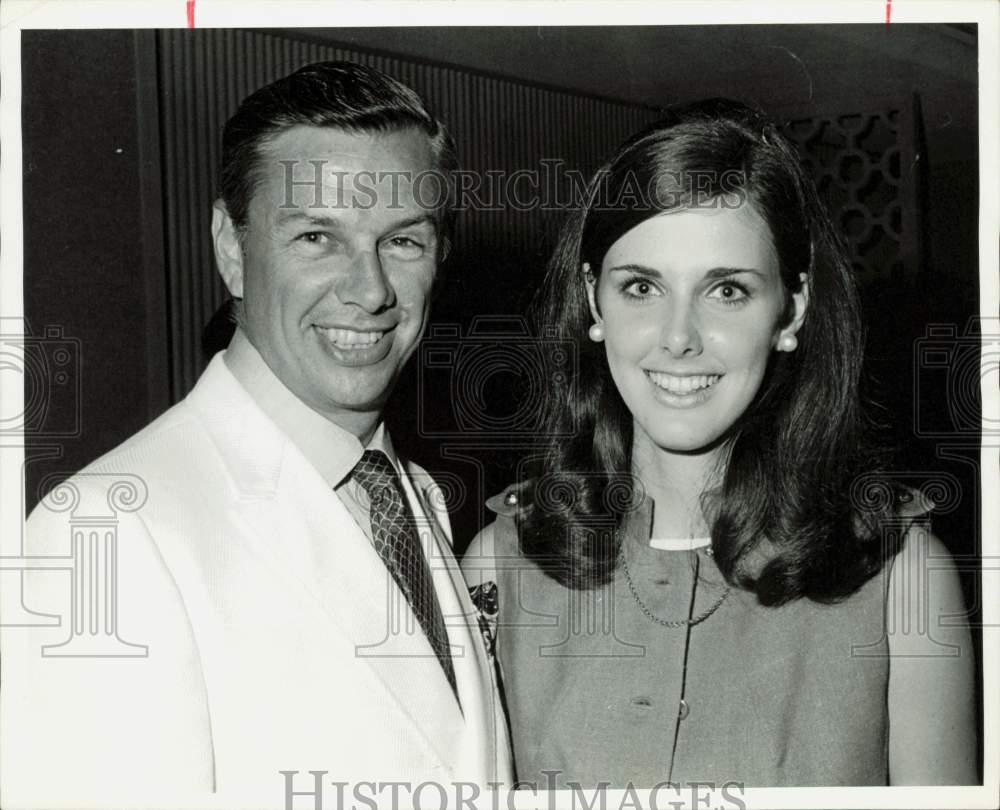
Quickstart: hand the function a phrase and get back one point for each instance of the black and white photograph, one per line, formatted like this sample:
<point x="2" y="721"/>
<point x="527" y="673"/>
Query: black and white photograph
<point x="494" y="405"/>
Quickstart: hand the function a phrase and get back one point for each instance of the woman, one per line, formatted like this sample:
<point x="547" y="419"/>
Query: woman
<point x="703" y="577"/>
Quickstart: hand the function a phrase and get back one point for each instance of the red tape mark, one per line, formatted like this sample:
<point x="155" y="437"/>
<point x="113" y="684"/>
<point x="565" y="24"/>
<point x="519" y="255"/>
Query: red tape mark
<point x="888" y="11"/>
<point x="190" y="13"/>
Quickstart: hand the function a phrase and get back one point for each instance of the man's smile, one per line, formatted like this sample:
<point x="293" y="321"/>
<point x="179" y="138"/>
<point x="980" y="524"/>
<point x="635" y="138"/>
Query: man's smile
<point x="352" y="338"/>
<point x="353" y="348"/>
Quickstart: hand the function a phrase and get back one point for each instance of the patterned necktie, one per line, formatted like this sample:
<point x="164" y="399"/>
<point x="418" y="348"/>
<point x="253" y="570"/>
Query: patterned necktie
<point x="395" y="537"/>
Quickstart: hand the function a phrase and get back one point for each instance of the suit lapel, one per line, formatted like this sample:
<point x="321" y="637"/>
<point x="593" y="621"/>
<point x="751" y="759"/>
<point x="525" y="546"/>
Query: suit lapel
<point x="289" y="518"/>
<point x="485" y="719"/>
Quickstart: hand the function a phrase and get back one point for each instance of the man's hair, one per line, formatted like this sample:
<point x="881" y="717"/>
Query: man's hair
<point x="339" y="95"/>
<point x="795" y="453"/>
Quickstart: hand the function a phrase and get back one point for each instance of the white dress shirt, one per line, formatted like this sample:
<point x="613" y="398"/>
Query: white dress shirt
<point x="331" y="449"/>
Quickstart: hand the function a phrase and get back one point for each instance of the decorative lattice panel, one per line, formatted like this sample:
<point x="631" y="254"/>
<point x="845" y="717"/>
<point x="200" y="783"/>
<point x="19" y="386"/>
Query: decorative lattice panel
<point x="866" y="168"/>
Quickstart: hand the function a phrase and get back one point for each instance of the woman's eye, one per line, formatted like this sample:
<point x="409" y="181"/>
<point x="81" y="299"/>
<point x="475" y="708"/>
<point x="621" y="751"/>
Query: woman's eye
<point x="639" y="288"/>
<point x="729" y="293"/>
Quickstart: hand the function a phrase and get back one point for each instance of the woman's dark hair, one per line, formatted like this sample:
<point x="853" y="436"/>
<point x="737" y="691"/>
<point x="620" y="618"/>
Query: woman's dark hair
<point x="794" y="457"/>
<point x="340" y="95"/>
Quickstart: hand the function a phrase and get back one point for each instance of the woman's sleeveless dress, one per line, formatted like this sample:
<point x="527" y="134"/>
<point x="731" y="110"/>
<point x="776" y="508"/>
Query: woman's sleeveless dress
<point x="598" y="691"/>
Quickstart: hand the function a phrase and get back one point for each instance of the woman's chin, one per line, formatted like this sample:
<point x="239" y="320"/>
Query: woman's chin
<point x="687" y="444"/>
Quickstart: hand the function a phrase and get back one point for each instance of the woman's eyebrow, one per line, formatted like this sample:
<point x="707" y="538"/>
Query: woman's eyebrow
<point x="640" y="269"/>
<point x="725" y="272"/>
<point x="711" y="275"/>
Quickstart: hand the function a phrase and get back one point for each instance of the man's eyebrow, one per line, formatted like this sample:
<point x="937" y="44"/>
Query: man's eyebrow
<point x="409" y="221"/>
<point x="286" y="217"/>
<point x="292" y="217"/>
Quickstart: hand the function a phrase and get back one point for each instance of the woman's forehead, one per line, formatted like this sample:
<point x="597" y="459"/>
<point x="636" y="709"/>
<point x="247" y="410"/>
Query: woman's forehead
<point x="697" y="239"/>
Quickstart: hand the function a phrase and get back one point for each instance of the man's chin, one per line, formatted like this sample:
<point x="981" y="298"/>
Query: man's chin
<point x="357" y="395"/>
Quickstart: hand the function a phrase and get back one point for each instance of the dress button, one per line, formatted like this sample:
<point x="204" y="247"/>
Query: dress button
<point x="684" y="710"/>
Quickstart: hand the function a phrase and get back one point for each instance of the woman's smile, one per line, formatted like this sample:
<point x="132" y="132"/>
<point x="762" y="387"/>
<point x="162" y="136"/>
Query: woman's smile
<point x="683" y="391"/>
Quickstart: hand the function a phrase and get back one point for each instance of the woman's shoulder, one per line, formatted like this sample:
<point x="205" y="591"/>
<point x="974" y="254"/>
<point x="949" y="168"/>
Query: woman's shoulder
<point x="877" y="496"/>
<point x="911" y="503"/>
<point x="884" y="510"/>
<point x="920" y="553"/>
<point x="908" y="525"/>
<point x="922" y="578"/>
<point x="496" y="544"/>
<point x="908" y="515"/>
<point x="931" y="675"/>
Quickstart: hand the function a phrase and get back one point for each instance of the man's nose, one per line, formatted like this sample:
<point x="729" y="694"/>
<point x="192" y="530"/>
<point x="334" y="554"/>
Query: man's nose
<point x="365" y="283"/>
<point x="680" y="335"/>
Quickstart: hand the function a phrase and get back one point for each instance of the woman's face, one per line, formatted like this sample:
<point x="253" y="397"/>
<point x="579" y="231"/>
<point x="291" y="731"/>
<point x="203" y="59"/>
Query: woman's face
<point x="691" y="303"/>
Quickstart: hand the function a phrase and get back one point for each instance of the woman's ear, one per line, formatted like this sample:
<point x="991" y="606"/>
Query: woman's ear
<point x="591" y="283"/>
<point x="786" y="340"/>
<point x="228" y="250"/>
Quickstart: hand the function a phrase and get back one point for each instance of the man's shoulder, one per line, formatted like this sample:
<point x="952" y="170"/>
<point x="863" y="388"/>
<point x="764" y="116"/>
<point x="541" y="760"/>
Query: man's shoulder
<point x="170" y="453"/>
<point x="188" y="429"/>
<point x="164" y="430"/>
<point x="128" y="470"/>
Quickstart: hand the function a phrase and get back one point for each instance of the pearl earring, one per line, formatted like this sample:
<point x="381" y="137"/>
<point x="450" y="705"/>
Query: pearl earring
<point x="596" y="333"/>
<point x="788" y="343"/>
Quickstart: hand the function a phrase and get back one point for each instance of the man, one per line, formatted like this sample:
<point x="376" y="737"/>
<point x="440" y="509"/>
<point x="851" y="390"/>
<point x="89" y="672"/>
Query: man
<point x="283" y="596"/>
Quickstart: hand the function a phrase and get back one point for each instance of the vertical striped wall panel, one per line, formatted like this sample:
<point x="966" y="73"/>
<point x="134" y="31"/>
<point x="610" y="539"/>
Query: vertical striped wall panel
<point x="498" y="124"/>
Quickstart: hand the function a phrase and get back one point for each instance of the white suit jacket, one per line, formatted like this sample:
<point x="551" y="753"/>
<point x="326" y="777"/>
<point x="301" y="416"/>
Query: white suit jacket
<point x="245" y="627"/>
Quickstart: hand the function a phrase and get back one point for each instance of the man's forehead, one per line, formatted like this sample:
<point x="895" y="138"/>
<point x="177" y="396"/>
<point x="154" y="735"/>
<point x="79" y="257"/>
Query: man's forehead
<point x="325" y="168"/>
<point x="346" y="152"/>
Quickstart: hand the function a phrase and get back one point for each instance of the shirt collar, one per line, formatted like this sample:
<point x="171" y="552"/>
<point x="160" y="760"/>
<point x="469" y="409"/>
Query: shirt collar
<point x="331" y="449"/>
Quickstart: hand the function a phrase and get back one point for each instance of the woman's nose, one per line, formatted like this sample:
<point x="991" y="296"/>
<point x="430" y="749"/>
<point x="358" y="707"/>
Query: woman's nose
<point x="680" y="335"/>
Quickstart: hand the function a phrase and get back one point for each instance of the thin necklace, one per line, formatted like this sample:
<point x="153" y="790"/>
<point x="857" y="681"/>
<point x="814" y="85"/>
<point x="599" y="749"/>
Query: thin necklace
<point x="669" y="623"/>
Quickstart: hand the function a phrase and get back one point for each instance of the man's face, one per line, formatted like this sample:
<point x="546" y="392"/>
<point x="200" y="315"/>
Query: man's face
<point x="335" y="279"/>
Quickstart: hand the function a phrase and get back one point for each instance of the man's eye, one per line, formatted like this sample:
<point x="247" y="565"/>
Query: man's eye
<point x="405" y="241"/>
<point x="314" y="237"/>
<point x="404" y="247"/>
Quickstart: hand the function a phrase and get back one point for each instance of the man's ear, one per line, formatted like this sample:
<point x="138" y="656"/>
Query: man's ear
<point x="800" y="304"/>
<point x="228" y="250"/>
<point x="591" y="283"/>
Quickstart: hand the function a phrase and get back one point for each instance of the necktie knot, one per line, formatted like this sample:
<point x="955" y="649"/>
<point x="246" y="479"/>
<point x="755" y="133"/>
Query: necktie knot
<point x="390" y="516"/>
<point x="378" y="478"/>
<point x="374" y="469"/>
